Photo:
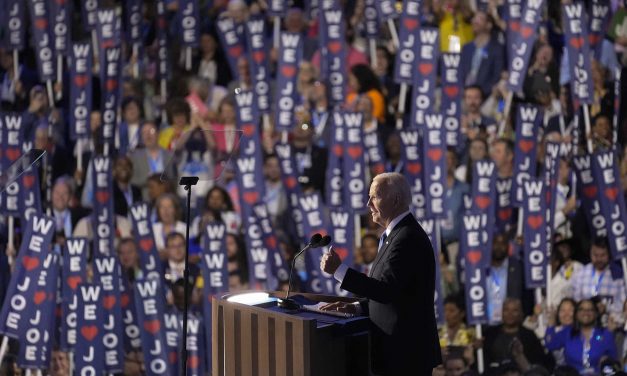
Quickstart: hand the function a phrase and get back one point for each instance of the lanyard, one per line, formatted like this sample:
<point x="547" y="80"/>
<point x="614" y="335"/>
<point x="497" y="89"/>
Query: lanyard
<point x="597" y="287"/>
<point x="156" y="163"/>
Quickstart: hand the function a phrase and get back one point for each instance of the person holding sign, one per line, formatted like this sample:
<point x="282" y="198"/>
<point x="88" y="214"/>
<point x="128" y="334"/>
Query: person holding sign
<point x="399" y="288"/>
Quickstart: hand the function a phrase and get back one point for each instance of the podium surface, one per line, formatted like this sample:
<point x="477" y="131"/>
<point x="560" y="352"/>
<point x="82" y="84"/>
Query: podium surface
<point x="267" y="340"/>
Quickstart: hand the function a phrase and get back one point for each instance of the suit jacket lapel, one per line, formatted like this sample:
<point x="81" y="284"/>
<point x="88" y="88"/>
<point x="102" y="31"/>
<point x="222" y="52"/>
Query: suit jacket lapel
<point x="385" y="245"/>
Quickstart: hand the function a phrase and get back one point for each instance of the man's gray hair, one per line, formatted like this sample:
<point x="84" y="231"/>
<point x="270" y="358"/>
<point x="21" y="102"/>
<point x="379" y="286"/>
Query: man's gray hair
<point x="396" y="187"/>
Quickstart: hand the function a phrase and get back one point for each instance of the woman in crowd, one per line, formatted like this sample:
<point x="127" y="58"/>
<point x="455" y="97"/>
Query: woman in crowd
<point x="363" y="81"/>
<point x="237" y="262"/>
<point x="585" y="343"/>
<point x="454" y="333"/>
<point x="217" y="207"/>
<point x="453" y="18"/>
<point x="168" y="219"/>
<point x="477" y="151"/>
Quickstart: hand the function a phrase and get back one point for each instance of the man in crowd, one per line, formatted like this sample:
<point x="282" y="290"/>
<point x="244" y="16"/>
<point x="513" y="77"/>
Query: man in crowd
<point x="398" y="287"/>
<point x="483" y="58"/>
<point x="599" y="279"/>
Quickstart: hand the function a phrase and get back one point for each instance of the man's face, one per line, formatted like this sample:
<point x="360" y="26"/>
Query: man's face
<point x="176" y="249"/>
<point x="127" y="254"/>
<point x="499" y="154"/>
<point x="123" y="170"/>
<point x="472" y="100"/>
<point x="272" y="169"/>
<point x="512" y="313"/>
<point x="60" y="196"/>
<point x="480" y="23"/>
<point x="369" y="248"/>
<point x="599" y="257"/>
<point x="499" y="247"/>
<point x="149" y="135"/>
<point x="455" y="367"/>
<point x="477" y="151"/>
<point x="379" y="204"/>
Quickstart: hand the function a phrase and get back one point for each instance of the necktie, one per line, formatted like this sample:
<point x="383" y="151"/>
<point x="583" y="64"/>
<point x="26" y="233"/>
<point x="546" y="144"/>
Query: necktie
<point x="382" y="241"/>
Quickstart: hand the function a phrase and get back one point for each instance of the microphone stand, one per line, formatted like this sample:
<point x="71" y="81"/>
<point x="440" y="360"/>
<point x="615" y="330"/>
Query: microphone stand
<point x="288" y="303"/>
<point x="187" y="182"/>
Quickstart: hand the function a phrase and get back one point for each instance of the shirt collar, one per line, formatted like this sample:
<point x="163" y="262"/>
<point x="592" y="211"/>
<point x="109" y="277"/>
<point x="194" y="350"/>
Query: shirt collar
<point x="394" y="222"/>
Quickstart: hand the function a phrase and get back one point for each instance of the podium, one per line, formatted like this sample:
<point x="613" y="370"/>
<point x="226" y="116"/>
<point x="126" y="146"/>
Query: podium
<point x="266" y="340"/>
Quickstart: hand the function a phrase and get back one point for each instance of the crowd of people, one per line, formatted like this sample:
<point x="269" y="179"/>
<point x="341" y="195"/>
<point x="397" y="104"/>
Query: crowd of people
<point x="578" y="329"/>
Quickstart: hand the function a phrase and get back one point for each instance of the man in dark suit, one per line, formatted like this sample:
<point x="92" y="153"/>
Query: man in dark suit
<point x="399" y="288"/>
<point x="125" y="194"/>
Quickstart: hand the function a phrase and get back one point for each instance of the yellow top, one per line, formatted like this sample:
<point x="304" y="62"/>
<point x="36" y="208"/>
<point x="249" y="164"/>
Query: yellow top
<point x="168" y="136"/>
<point x="454" y="32"/>
<point x="463" y="337"/>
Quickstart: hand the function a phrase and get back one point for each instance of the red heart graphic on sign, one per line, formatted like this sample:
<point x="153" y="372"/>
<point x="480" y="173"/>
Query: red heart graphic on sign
<point x="152" y="326"/>
<point x="107" y="44"/>
<point x="334" y="47"/>
<point x="576" y="42"/>
<point x="526" y="32"/>
<point x="89" y="332"/>
<point x="410" y="23"/>
<point x="251" y="197"/>
<point x="414" y="168"/>
<point x="535" y="221"/>
<point x="146" y="244"/>
<point x="474" y="256"/>
<point x="172" y="357"/>
<point x="515" y="26"/>
<point x="611" y="193"/>
<point x="505" y="214"/>
<point x="594" y="39"/>
<point x="124" y="300"/>
<point x="259" y="56"/>
<point x="425" y="68"/>
<point x="379" y="168"/>
<point x="525" y="145"/>
<point x="342" y="252"/>
<point x="12" y="153"/>
<point x="290" y="182"/>
<point x="161" y="23"/>
<point x="271" y="242"/>
<point x="39" y="297"/>
<point x="248" y="130"/>
<point x="235" y="51"/>
<point x="288" y="71"/>
<point x="451" y="91"/>
<point x="590" y="191"/>
<point x="434" y="154"/>
<point x="28" y="181"/>
<point x="73" y="281"/>
<point x="108" y="302"/>
<point x="30" y="263"/>
<point x="354" y="151"/>
<point x="41" y="23"/>
<point x="81" y="80"/>
<point x="60" y="2"/>
<point x="111" y="85"/>
<point x="102" y="196"/>
<point x="192" y="362"/>
<point x="482" y="201"/>
<point x="338" y="150"/>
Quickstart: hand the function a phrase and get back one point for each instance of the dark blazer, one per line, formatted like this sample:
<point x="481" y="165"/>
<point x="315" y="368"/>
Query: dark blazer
<point x="120" y="206"/>
<point x="516" y="285"/>
<point x="400" y="291"/>
<point x="492" y="64"/>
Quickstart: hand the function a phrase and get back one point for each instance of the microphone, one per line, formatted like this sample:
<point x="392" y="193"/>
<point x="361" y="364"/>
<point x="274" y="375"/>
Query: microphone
<point x="326" y="240"/>
<point x="314" y="242"/>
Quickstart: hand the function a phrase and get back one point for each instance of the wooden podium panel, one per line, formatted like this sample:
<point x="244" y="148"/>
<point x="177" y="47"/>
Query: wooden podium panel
<point x="262" y="341"/>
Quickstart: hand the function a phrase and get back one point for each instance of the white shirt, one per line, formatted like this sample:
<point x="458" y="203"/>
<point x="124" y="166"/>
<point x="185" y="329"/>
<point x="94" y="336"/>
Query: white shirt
<point x="340" y="273"/>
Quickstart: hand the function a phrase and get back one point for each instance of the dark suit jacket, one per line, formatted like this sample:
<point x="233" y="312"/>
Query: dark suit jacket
<point x="492" y="64"/>
<point x="400" y="292"/>
<point x="120" y="206"/>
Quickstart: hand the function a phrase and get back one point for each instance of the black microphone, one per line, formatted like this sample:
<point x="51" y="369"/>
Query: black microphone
<point x="314" y="242"/>
<point x="326" y="240"/>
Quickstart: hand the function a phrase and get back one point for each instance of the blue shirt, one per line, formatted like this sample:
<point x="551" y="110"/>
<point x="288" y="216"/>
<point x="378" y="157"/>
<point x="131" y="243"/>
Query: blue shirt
<point x="601" y="344"/>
